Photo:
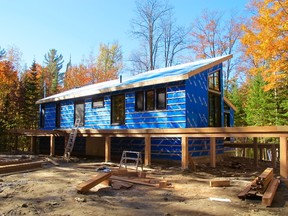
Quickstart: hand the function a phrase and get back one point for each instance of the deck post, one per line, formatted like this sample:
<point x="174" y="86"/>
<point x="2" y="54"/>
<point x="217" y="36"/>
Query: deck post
<point x="52" y="145"/>
<point x="213" y="151"/>
<point x="107" y="148"/>
<point x="255" y="151"/>
<point x="33" y="144"/>
<point x="147" y="160"/>
<point x="185" y="152"/>
<point x="283" y="157"/>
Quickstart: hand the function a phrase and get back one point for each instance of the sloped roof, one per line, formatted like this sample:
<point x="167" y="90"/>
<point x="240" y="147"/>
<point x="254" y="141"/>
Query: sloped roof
<point x="158" y="76"/>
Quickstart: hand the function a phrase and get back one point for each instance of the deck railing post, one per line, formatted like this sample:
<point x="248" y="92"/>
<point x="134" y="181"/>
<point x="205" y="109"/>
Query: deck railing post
<point x="52" y="145"/>
<point x="213" y="151"/>
<point x="107" y="148"/>
<point x="33" y="144"/>
<point x="255" y="151"/>
<point x="284" y="157"/>
<point x="185" y="152"/>
<point x="147" y="160"/>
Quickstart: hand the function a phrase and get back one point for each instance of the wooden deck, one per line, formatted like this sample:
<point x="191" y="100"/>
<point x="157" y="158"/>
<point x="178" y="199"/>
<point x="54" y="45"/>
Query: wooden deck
<point x="280" y="132"/>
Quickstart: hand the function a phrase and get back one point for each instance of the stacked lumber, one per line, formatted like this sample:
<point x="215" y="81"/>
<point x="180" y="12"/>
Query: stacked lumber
<point x="20" y="167"/>
<point x="264" y="186"/>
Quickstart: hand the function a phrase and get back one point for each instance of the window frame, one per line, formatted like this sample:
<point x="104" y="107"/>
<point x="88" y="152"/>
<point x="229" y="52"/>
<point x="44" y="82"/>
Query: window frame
<point x="97" y="100"/>
<point x="155" y="100"/>
<point x="214" y="81"/>
<point x="122" y="116"/>
<point x="82" y="114"/>
<point x="214" y="110"/>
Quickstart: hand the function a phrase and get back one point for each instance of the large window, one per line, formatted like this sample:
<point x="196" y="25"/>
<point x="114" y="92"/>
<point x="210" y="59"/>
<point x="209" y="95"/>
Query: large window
<point x="214" y="110"/>
<point x="118" y="109"/>
<point x="58" y="115"/>
<point x="214" y="81"/>
<point x="79" y="112"/>
<point x="150" y="99"/>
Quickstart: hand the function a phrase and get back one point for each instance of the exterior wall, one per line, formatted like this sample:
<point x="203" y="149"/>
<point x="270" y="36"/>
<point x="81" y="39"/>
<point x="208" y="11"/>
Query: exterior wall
<point x="197" y="98"/>
<point x="99" y="118"/>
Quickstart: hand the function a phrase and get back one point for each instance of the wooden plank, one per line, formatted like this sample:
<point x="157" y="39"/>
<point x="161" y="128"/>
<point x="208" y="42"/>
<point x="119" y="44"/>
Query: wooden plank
<point x="52" y="161"/>
<point x="219" y="183"/>
<point x="243" y="194"/>
<point x="185" y="152"/>
<point x="213" y="152"/>
<point x="21" y="161"/>
<point x="132" y="181"/>
<point x="147" y="160"/>
<point x="269" y="194"/>
<point x="87" y="185"/>
<point x="20" y="167"/>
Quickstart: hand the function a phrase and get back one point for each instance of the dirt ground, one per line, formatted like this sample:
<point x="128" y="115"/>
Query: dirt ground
<point x="52" y="191"/>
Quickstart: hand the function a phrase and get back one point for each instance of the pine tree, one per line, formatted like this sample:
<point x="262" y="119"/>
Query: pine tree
<point x="54" y="64"/>
<point x="261" y="109"/>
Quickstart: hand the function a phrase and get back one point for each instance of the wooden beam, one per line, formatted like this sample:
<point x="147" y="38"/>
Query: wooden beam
<point x="107" y="148"/>
<point x="147" y="160"/>
<point x="269" y="194"/>
<point x="255" y="151"/>
<point x="213" y="152"/>
<point x="219" y="183"/>
<point x="97" y="179"/>
<point x="283" y="157"/>
<point x="52" y="145"/>
<point x="185" y="152"/>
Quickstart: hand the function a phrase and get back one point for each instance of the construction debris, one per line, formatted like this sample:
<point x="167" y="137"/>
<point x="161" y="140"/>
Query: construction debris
<point x="264" y="186"/>
<point x="52" y="161"/>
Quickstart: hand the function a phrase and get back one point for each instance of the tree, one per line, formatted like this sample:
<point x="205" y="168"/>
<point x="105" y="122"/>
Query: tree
<point x="265" y="40"/>
<point x="160" y="38"/>
<point x="109" y="62"/>
<point x="31" y="92"/>
<point x="77" y="76"/>
<point x="260" y="108"/>
<point x="54" y="63"/>
<point x="213" y="36"/>
<point x="2" y="53"/>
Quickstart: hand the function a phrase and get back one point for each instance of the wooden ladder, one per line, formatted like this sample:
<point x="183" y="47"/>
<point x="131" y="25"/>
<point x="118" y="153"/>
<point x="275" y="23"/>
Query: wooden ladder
<point x="72" y="137"/>
<point x="131" y="156"/>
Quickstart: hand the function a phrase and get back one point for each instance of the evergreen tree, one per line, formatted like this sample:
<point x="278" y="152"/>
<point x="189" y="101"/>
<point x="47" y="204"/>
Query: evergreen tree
<point x="261" y="109"/>
<point x="31" y="93"/>
<point x="54" y="64"/>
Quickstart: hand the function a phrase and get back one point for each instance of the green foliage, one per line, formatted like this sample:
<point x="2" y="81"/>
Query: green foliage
<point x="260" y="108"/>
<point x="54" y="63"/>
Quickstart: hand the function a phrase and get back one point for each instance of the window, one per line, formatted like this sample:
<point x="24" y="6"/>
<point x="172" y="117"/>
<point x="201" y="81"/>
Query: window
<point x="42" y="116"/>
<point x="153" y="99"/>
<point x="214" y="81"/>
<point x="161" y="98"/>
<point x="98" y="102"/>
<point x="139" y="101"/>
<point x="79" y="112"/>
<point x="58" y="115"/>
<point x="214" y="110"/>
<point x="118" y="109"/>
<point x="150" y="100"/>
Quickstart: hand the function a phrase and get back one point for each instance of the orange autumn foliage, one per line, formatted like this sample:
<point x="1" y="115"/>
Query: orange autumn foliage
<point x="265" y="42"/>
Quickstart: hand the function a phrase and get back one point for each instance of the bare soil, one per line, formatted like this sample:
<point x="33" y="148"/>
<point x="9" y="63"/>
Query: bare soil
<point x="52" y="191"/>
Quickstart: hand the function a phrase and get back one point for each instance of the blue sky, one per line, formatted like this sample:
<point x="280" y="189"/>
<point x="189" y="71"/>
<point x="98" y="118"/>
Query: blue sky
<point x="77" y="27"/>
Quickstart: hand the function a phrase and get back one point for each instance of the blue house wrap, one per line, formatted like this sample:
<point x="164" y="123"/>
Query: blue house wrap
<point x="183" y="96"/>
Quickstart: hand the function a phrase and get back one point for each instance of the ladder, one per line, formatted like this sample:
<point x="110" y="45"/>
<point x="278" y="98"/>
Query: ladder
<point x="72" y="136"/>
<point x="128" y="156"/>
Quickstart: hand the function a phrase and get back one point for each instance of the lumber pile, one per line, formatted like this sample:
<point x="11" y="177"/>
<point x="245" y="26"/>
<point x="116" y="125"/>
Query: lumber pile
<point x="263" y="186"/>
<point x="18" y="167"/>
